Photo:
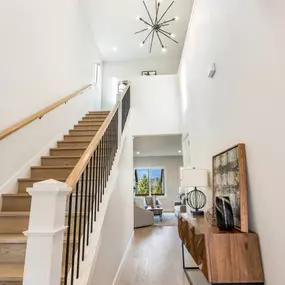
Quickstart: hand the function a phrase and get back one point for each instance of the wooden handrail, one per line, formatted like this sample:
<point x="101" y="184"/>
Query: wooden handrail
<point x="82" y="163"/>
<point x="40" y="114"/>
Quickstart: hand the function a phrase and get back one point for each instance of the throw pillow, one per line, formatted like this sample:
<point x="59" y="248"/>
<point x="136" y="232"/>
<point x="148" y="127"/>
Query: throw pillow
<point x="150" y="201"/>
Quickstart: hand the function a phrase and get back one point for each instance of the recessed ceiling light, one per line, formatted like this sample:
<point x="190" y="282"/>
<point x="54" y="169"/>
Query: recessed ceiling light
<point x="138" y="152"/>
<point x="179" y="151"/>
<point x="114" y="49"/>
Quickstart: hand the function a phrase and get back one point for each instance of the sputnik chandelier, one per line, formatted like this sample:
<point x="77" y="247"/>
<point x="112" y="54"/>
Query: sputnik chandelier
<point x="157" y="25"/>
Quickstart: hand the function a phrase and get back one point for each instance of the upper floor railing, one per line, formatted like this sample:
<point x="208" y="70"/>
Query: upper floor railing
<point x="41" y="113"/>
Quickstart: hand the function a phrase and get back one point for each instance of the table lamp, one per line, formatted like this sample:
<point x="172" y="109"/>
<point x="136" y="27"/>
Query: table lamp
<point x="196" y="199"/>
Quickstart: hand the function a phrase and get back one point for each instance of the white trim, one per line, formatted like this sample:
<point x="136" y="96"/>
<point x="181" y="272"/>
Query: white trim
<point x="44" y="233"/>
<point x="123" y="259"/>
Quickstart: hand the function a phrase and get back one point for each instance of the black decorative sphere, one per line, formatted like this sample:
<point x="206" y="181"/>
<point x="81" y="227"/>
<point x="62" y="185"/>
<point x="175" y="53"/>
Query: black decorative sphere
<point x="196" y="199"/>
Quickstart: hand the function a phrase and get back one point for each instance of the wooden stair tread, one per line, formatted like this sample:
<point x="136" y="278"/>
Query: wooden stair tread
<point x="52" y="167"/>
<point x="68" y="148"/>
<point x="14" y="272"/>
<point x="14" y="214"/>
<point x="11" y="272"/>
<point x="60" y="157"/>
<point x="13" y="238"/>
<point x="16" y="195"/>
<point x="35" y="179"/>
<point x="85" y="141"/>
<point x="21" y="238"/>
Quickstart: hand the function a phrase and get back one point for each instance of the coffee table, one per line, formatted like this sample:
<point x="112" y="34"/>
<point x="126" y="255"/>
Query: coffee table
<point x="157" y="211"/>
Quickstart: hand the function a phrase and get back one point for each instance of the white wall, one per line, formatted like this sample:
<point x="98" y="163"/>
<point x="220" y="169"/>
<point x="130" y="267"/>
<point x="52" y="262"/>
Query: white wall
<point x="171" y="165"/>
<point x="47" y="53"/>
<point x="155" y="105"/>
<point x="118" y="225"/>
<point x="129" y="70"/>
<point x="244" y="102"/>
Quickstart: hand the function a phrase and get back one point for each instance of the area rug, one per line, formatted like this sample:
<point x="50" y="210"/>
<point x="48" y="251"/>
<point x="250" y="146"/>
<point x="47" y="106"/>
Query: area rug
<point x="168" y="219"/>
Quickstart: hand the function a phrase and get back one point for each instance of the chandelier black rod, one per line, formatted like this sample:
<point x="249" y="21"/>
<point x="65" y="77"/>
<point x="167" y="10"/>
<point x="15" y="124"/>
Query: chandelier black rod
<point x="148" y="13"/>
<point x="167" y="36"/>
<point x="165" y="31"/>
<point x="165" y="12"/>
<point x="142" y="31"/>
<point x="157" y="10"/>
<point x="159" y="39"/>
<point x="147" y="36"/>
<point x="146" y="22"/>
<point x="151" y="41"/>
<point x="164" y="25"/>
<point x="168" y="21"/>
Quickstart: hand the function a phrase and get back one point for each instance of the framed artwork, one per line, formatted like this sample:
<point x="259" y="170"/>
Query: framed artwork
<point x="229" y="179"/>
<point x="148" y="73"/>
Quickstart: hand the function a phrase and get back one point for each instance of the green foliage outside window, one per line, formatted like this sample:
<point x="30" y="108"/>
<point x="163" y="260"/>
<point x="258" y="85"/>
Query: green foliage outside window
<point x="156" y="187"/>
<point x="142" y="188"/>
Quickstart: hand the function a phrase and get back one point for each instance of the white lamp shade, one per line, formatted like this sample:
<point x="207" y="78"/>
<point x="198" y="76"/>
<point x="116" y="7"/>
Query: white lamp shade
<point x="191" y="177"/>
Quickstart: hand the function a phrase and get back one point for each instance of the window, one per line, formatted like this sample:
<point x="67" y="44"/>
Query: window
<point x="98" y="75"/>
<point x="149" y="181"/>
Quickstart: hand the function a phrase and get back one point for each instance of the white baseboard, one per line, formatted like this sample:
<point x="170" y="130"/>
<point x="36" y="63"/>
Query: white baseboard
<point x="123" y="259"/>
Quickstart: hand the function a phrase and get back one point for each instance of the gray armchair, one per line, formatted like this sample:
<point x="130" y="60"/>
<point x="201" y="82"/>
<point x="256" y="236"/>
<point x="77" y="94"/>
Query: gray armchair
<point x="180" y="206"/>
<point x="142" y="217"/>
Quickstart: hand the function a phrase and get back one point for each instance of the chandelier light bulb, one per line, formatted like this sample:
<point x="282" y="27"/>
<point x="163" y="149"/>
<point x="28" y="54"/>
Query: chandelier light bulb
<point x="173" y="35"/>
<point x="176" y="18"/>
<point x="138" y="17"/>
<point x="164" y="49"/>
<point x="141" y="44"/>
<point x="149" y="27"/>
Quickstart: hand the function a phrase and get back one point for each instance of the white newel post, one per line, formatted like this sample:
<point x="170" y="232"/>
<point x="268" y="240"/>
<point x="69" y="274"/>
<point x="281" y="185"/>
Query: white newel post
<point x="45" y="235"/>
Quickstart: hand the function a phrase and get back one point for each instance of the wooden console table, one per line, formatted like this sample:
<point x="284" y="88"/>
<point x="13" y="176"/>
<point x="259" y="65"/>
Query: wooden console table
<point x="223" y="257"/>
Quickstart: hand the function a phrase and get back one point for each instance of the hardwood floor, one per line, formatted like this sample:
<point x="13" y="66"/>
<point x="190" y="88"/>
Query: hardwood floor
<point x="154" y="258"/>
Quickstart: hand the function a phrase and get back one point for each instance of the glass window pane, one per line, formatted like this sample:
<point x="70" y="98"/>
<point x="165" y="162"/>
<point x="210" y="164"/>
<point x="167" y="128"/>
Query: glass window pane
<point x="142" y="181"/>
<point x="156" y="177"/>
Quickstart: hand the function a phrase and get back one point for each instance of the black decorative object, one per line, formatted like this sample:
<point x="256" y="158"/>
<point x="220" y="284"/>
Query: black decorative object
<point x="156" y="26"/>
<point x="224" y="213"/>
<point x="196" y="199"/>
<point x="148" y="73"/>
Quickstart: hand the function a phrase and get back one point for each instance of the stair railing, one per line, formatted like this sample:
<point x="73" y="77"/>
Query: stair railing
<point x="38" y="115"/>
<point x="88" y="181"/>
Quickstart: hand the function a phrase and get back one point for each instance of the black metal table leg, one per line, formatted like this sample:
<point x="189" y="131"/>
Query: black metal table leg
<point x="185" y="268"/>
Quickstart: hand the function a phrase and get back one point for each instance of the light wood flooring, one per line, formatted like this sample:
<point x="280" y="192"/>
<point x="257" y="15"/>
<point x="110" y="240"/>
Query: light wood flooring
<point x="154" y="258"/>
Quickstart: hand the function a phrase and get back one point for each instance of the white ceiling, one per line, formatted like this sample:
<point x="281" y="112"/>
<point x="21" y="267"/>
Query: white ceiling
<point x="164" y="145"/>
<point x="114" y="23"/>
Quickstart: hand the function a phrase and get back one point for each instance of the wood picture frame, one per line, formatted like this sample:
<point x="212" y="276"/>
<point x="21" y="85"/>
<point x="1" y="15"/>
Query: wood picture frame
<point x="230" y="179"/>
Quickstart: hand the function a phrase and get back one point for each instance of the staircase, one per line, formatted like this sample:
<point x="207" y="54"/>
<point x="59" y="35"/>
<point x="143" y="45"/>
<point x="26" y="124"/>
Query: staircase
<point x="14" y="218"/>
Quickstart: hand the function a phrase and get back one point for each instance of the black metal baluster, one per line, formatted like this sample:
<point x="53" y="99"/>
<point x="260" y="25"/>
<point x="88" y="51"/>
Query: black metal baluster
<point x="89" y="198"/>
<point x="85" y="208"/>
<point x="97" y="185"/>
<point x="80" y="223"/>
<point x="101" y="173"/>
<point x="93" y="209"/>
<point x="74" y="235"/>
<point x="68" y="240"/>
